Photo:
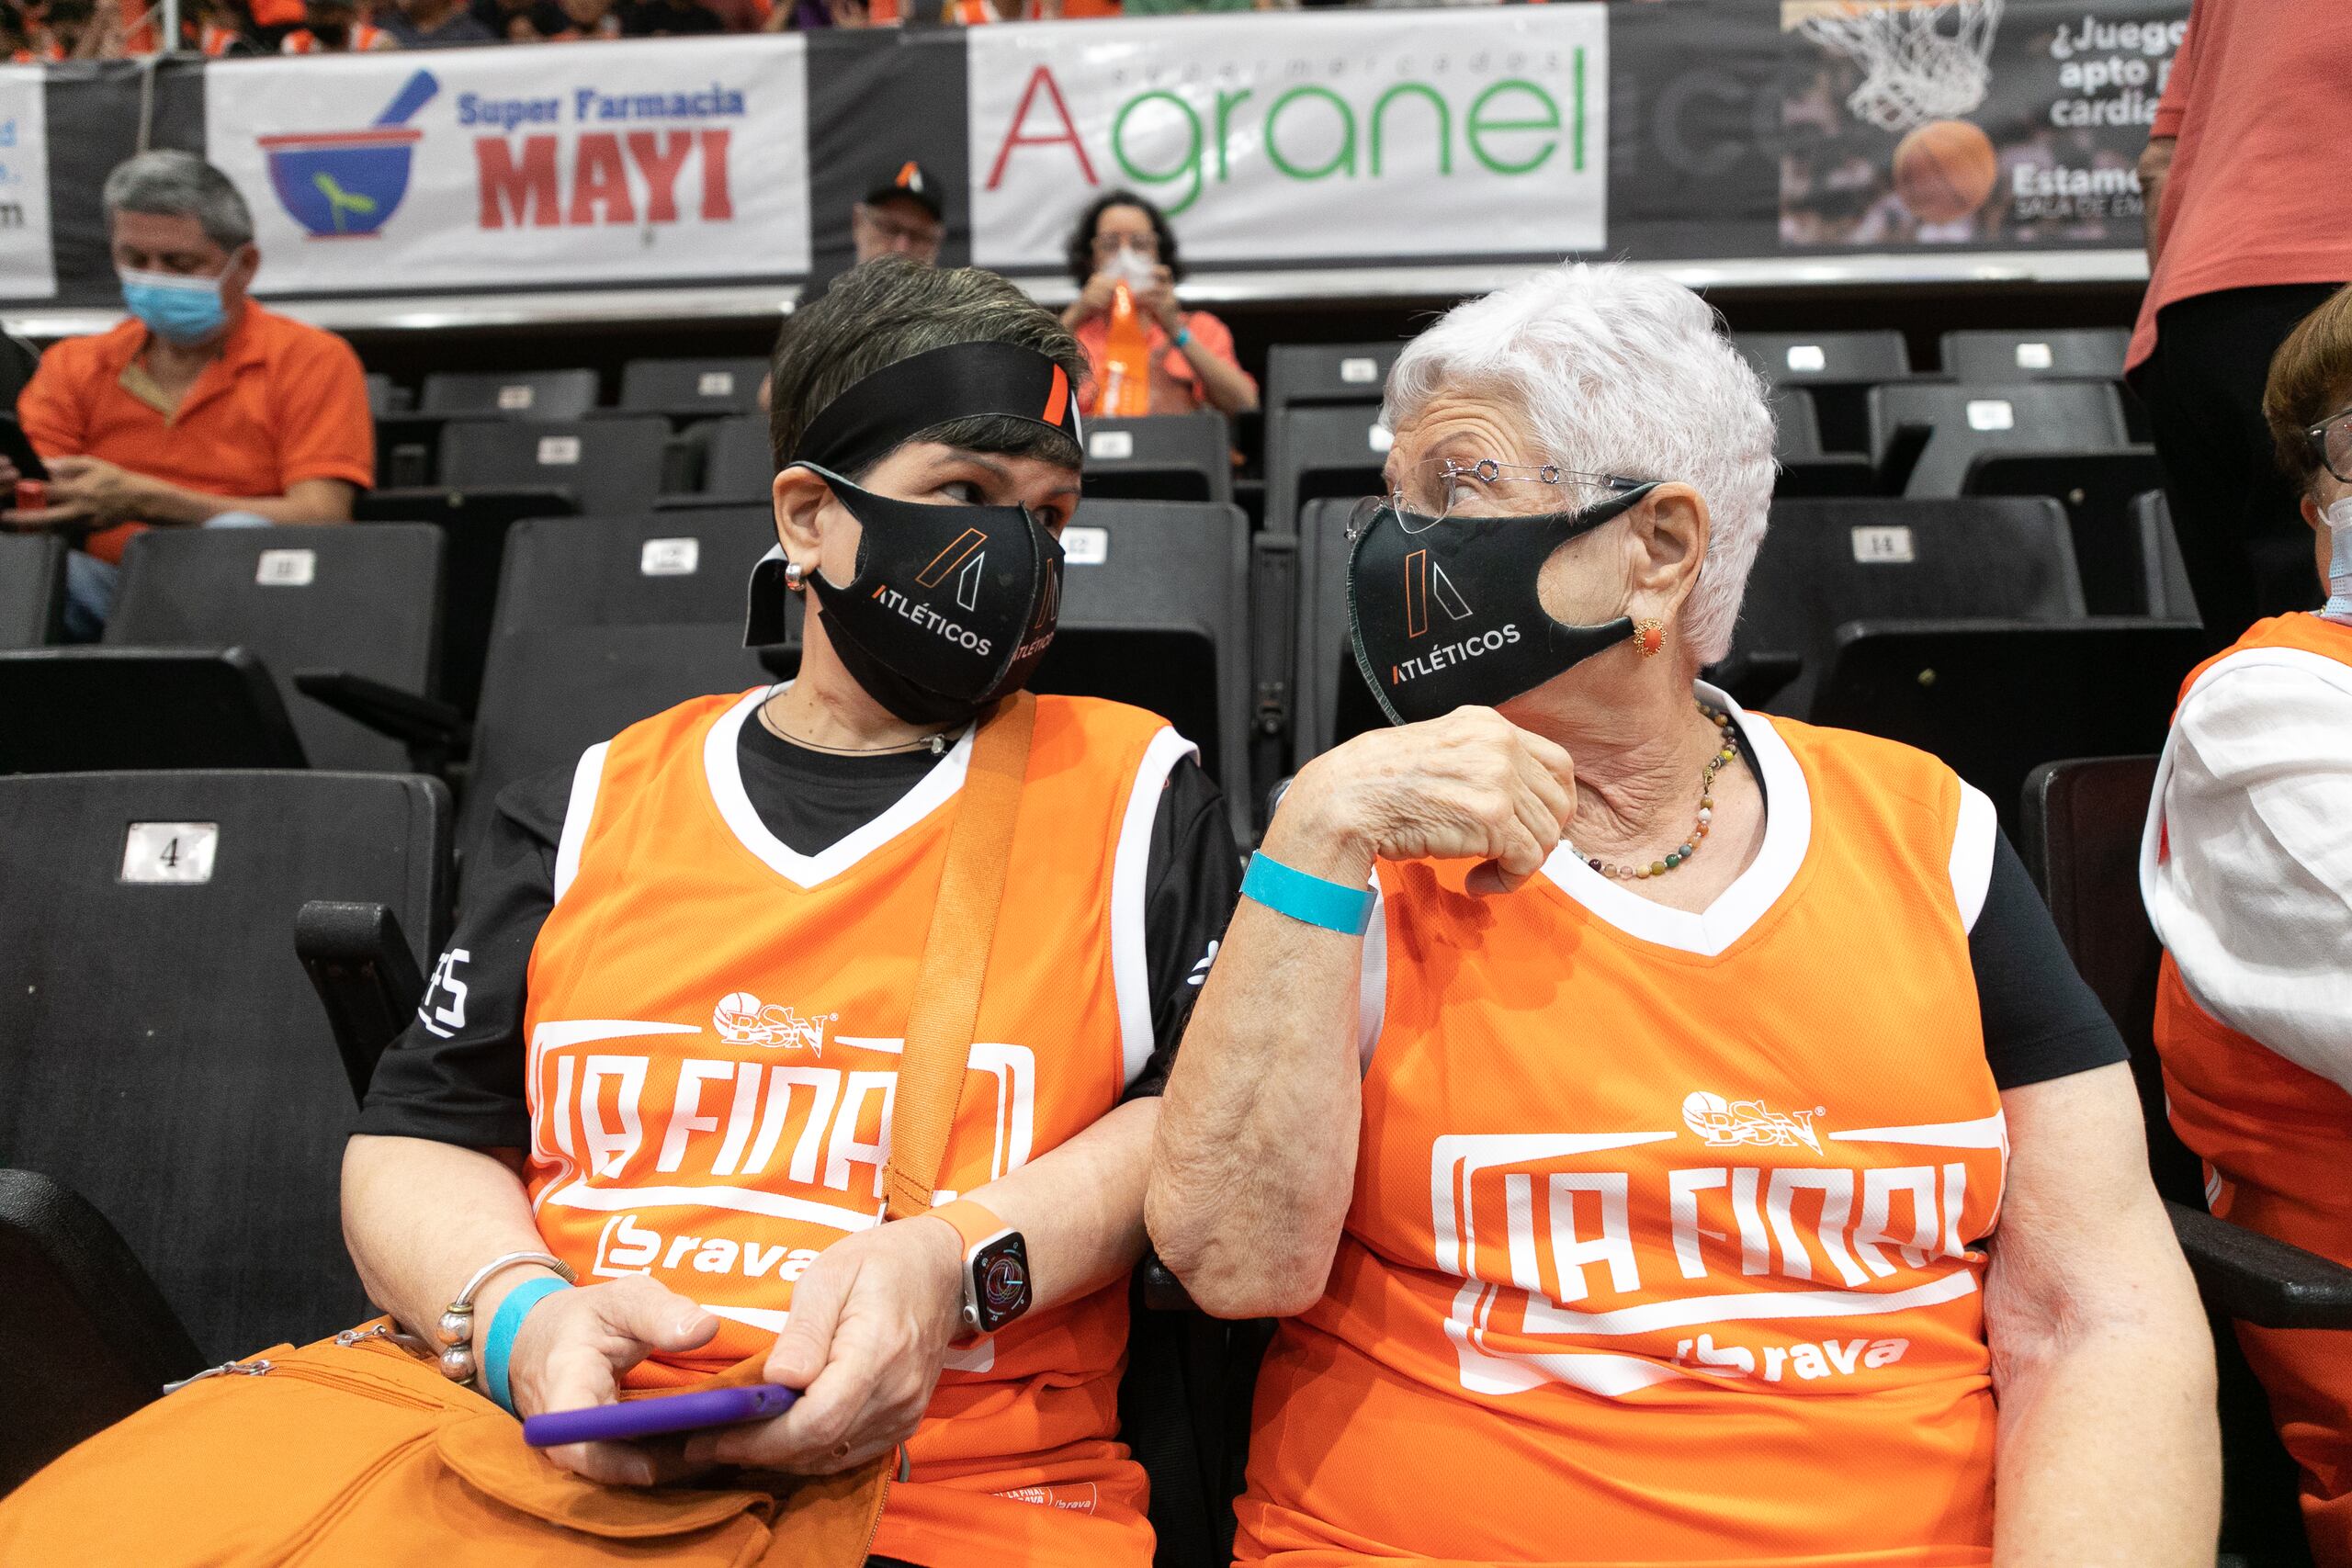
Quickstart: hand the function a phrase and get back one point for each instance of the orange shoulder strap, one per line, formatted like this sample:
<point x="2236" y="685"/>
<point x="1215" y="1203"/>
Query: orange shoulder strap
<point x="955" y="957"/>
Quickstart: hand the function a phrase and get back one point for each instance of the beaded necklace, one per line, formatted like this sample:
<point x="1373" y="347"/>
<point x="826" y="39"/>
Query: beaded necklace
<point x="1674" y="858"/>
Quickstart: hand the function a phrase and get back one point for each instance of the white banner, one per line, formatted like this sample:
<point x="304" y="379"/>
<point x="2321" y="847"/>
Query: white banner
<point x="498" y="168"/>
<point x="26" y="269"/>
<point x="1454" y="133"/>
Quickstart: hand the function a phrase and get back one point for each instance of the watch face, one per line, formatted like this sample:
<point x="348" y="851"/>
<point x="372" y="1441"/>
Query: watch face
<point x="1000" y="1282"/>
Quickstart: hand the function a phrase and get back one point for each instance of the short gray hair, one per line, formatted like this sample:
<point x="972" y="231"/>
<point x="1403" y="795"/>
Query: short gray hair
<point x="1619" y="372"/>
<point x="167" y="183"/>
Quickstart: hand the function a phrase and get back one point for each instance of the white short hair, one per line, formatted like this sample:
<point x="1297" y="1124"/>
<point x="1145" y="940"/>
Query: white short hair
<point x="1618" y="372"/>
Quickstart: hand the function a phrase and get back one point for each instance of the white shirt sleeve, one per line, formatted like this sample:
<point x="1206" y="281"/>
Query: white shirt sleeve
<point x="2253" y="894"/>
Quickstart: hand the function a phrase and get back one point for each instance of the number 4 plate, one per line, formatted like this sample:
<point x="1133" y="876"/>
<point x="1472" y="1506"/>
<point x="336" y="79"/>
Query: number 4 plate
<point x="169" y="851"/>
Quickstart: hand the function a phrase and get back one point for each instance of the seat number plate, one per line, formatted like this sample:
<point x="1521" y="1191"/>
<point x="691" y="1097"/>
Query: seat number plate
<point x="170" y="851"/>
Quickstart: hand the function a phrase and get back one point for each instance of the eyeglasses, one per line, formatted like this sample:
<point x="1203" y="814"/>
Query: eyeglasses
<point x="1111" y="244"/>
<point x="2332" y="444"/>
<point x="1483" y="487"/>
<point x="898" y="231"/>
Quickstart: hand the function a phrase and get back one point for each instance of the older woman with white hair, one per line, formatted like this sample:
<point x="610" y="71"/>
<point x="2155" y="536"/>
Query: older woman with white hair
<point x="1672" y="1135"/>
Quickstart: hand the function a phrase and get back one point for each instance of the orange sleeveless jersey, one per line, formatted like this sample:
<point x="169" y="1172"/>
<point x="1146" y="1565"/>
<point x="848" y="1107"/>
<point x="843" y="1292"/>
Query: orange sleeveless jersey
<point x="2229" y="1094"/>
<point x="1663" y="1247"/>
<point x="714" y="1024"/>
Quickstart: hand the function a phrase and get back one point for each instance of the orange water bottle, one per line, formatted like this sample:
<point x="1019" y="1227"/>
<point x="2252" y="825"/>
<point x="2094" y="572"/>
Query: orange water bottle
<point x="1127" y="360"/>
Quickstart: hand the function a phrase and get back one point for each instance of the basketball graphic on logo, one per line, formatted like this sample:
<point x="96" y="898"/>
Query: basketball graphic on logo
<point x="1944" y="170"/>
<point x="737" y="1016"/>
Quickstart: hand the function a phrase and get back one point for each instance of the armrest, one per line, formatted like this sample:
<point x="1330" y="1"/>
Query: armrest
<point x="366" y="978"/>
<point x="2259" y="1279"/>
<point x="1163" y="1291"/>
<point x="431" y="729"/>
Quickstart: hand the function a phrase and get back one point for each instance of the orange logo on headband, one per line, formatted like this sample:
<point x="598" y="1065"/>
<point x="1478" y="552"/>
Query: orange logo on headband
<point x="1057" y="399"/>
<point x="910" y="177"/>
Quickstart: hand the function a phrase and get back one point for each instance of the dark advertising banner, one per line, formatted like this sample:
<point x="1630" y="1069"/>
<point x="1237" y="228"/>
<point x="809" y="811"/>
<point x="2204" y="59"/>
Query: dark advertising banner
<point x="1352" y="152"/>
<point x="1969" y="123"/>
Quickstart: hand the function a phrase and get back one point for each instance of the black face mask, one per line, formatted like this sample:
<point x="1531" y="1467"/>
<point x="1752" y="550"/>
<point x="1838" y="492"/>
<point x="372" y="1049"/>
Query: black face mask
<point x="1445" y="613"/>
<point x="951" y="608"/>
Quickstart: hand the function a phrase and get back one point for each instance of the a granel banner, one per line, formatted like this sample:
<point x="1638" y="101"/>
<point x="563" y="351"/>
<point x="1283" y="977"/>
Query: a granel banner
<point x="1971" y="123"/>
<point x="500" y="168"/>
<point x="1329" y="136"/>
<point x="27" y="270"/>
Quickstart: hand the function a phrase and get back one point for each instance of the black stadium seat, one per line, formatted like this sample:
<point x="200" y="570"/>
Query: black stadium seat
<point x="510" y="394"/>
<point x="2165" y="584"/>
<point x="161" y="1050"/>
<point x="385" y="395"/>
<point x="1299" y="373"/>
<point x="1828" y="561"/>
<point x="1956" y="422"/>
<point x="84" y="709"/>
<point x="738" y="461"/>
<point x="1805" y="469"/>
<point x="1330" y="702"/>
<point x="32" y="589"/>
<point x="2067" y="354"/>
<point x="364" y="601"/>
<point x="1155" y="612"/>
<point x="1318" y="451"/>
<point x="1168" y="457"/>
<point x="693" y="388"/>
<point x="87" y="1336"/>
<point x="2083" y="824"/>
<point x="603" y="621"/>
<point x="1812" y="358"/>
<point x="2098" y="490"/>
<point x="609" y="465"/>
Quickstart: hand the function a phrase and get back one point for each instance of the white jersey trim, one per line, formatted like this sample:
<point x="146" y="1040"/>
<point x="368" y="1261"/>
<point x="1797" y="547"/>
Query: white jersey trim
<point x="723" y="770"/>
<point x="1130" y="885"/>
<point x="1973" y="841"/>
<point x="1788" y="833"/>
<point x="577" y="813"/>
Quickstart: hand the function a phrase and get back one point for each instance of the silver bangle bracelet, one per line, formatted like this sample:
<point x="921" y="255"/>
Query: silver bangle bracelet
<point x="456" y="1330"/>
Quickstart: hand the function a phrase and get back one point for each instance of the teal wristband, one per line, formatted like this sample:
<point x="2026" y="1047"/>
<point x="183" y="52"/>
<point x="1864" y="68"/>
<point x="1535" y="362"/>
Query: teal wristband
<point x="1183" y="338"/>
<point x="507" y="1324"/>
<point x="1334" y="906"/>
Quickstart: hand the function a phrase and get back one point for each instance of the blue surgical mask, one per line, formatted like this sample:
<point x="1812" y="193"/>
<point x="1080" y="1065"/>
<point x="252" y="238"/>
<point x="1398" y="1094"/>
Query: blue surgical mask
<point x="2338" y="519"/>
<point x="177" y="309"/>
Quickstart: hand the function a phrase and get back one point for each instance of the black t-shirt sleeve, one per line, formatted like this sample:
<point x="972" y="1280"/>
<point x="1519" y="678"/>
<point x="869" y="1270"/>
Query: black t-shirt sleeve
<point x="456" y="1074"/>
<point x="2040" y="1021"/>
<point x="1192" y="880"/>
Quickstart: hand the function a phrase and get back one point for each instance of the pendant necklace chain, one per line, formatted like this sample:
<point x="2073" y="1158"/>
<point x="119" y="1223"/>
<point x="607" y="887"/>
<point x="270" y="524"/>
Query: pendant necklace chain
<point x="1675" y="858"/>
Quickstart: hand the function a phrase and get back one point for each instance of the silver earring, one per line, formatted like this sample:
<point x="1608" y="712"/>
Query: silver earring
<point x="795" y="577"/>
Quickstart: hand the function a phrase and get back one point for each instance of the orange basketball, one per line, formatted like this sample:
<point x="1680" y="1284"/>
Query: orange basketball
<point x="1944" y="170"/>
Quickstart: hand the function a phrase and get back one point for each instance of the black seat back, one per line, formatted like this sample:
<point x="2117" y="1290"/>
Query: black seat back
<point x="32" y="589"/>
<point x="1802" y="358"/>
<point x="1965" y="419"/>
<point x="603" y="621"/>
<point x="510" y="394"/>
<point x="385" y="395"/>
<point x="737" y="459"/>
<point x="2067" y="354"/>
<point x="2098" y="490"/>
<point x="1333" y="702"/>
<point x="161" y="1050"/>
<point x="609" y="465"/>
<point x="84" y="709"/>
<point x="88" y="1336"/>
<point x="1796" y="427"/>
<point x="365" y="601"/>
<point x="1169" y="457"/>
<point x="1319" y="451"/>
<point x="2165" y="576"/>
<point x="1300" y="373"/>
<point x="1828" y="561"/>
<point x="1997" y="700"/>
<point x="1155" y="612"/>
<point x="692" y="386"/>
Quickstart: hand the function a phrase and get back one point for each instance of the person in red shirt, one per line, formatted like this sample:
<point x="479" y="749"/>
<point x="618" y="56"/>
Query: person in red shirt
<point x="1122" y="236"/>
<point x="2244" y="241"/>
<point x="201" y="410"/>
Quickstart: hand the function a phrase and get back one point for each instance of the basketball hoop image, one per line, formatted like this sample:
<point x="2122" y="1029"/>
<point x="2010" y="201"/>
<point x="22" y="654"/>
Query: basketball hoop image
<point x="1921" y="60"/>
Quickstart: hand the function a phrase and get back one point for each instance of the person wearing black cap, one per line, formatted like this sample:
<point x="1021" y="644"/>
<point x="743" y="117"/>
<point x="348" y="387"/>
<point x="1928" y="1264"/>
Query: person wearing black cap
<point x="661" y="1055"/>
<point x="903" y="216"/>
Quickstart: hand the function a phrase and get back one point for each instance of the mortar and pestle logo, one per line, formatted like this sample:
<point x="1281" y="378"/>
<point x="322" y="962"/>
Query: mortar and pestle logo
<point x="344" y="185"/>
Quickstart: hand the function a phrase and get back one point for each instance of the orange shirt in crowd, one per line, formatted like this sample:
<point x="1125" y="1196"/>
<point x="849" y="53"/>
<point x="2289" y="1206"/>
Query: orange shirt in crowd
<point x="2252" y="197"/>
<point x="284" y="402"/>
<point x="1175" y="386"/>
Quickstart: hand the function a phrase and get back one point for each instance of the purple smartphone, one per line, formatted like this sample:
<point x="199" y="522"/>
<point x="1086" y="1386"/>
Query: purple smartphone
<point x="648" y="1417"/>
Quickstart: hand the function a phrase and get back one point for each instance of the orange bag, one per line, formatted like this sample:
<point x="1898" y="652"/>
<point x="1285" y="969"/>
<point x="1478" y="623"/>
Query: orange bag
<point x="354" y="1452"/>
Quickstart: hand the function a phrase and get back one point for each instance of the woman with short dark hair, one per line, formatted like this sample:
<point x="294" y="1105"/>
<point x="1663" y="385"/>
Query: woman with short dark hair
<point x="1122" y="238"/>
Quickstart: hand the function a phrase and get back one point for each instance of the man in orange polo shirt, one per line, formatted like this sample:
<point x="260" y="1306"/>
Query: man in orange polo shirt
<point x="203" y="409"/>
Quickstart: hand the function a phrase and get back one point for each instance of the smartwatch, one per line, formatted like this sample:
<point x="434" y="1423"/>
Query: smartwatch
<point x="996" y="1267"/>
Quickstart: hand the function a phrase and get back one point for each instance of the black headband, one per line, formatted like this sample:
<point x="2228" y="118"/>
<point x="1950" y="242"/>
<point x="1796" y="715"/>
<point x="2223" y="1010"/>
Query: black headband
<point x="900" y="402"/>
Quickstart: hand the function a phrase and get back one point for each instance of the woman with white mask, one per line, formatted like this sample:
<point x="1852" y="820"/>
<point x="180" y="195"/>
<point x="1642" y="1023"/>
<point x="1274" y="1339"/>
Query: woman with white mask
<point x="2247" y="875"/>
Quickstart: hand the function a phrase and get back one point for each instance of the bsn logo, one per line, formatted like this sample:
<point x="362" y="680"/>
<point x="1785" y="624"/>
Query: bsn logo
<point x="1731" y="1124"/>
<point x="741" y="1019"/>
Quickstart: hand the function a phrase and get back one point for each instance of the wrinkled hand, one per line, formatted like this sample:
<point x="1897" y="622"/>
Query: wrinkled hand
<point x="871" y="1321"/>
<point x="571" y="1351"/>
<point x="85" y="491"/>
<point x="1471" y="784"/>
<point x="1158" y="298"/>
